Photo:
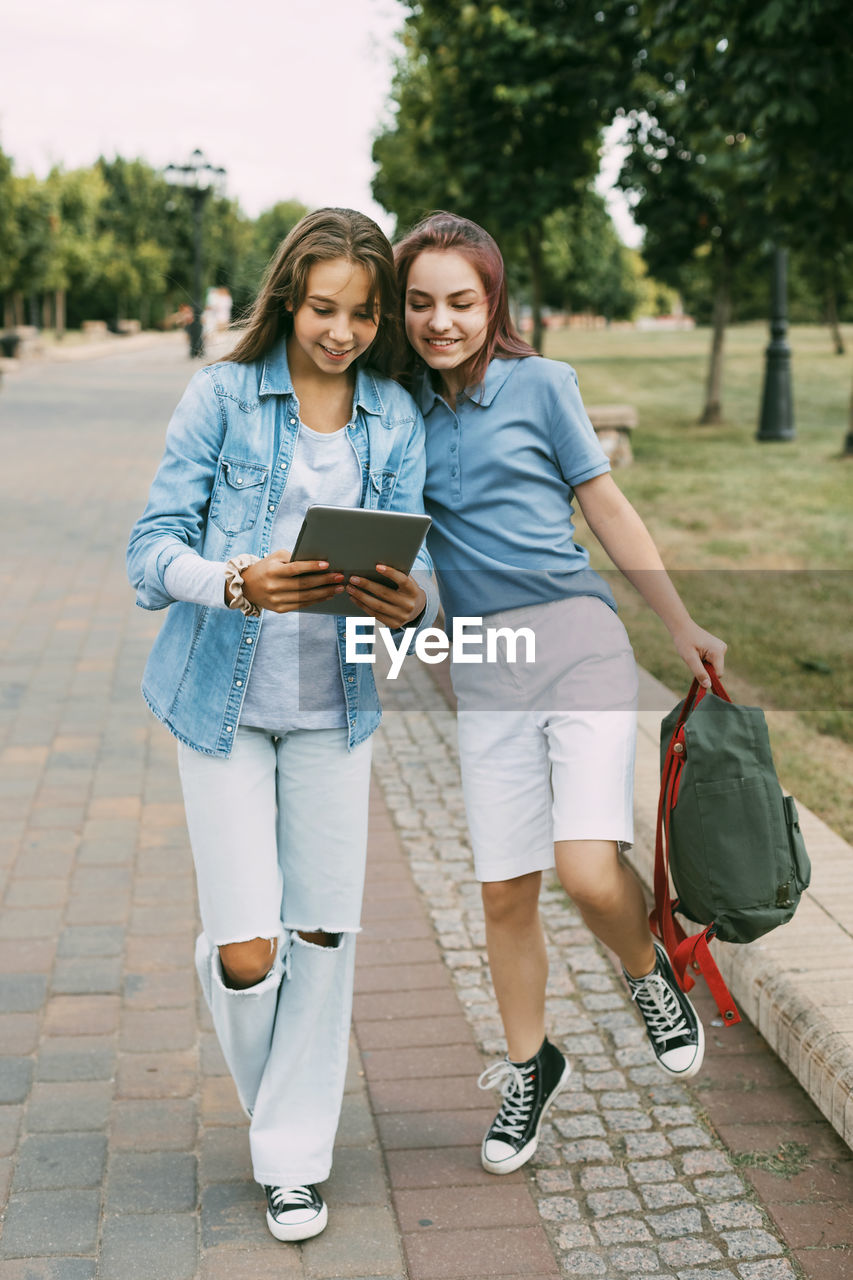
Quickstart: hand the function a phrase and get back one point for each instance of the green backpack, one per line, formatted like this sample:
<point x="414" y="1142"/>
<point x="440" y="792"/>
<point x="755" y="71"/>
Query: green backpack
<point x="729" y="837"/>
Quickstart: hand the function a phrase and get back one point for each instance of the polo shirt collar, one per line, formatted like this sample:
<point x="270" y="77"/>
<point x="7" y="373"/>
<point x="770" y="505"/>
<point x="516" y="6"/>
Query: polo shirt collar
<point x="496" y="375"/>
<point x="276" y="380"/>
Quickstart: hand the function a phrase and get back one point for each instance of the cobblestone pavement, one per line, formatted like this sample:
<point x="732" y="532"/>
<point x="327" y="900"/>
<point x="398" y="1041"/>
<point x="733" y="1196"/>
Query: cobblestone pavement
<point x="630" y="1177"/>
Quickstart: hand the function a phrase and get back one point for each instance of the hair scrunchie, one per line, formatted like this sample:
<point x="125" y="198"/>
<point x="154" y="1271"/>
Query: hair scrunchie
<point x="234" y="584"/>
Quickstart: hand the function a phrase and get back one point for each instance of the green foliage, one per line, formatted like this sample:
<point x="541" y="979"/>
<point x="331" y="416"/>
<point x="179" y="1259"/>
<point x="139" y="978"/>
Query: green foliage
<point x="9" y="248"/>
<point x="587" y="268"/>
<point x="258" y="242"/>
<point x="121" y="242"/>
<point x="498" y="112"/>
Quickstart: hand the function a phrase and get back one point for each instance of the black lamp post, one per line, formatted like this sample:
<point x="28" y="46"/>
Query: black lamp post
<point x="198" y="178"/>
<point x="776" y="421"/>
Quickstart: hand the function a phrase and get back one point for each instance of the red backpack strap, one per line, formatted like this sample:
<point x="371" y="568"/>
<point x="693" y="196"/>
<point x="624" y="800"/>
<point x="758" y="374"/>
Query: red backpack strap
<point x="661" y="919"/>
<point x="695" y="951"/>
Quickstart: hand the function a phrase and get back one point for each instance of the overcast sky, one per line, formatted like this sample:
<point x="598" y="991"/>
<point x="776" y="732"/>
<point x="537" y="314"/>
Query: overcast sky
<point x="286" y="95"/>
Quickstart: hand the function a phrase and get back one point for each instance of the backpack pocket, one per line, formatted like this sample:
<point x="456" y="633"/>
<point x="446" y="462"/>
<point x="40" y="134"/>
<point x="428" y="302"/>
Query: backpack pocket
<point x="747" y="857"/>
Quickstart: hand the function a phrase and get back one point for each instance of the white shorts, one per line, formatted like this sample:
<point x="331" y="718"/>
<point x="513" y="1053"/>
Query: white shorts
<point x="547" y="749"/>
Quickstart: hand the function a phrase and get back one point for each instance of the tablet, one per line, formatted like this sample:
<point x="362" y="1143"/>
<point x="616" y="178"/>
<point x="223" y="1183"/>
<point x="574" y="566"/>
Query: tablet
<point x="354" y="541"/>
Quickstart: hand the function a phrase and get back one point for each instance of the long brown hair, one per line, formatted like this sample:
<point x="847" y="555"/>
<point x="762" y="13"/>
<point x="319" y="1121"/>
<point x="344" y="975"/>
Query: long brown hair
<point x="442" y="231"/>
<point x="321" y="236"/>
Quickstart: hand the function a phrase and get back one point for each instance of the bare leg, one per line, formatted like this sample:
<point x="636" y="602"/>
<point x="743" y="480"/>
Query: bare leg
<point x="518" y="960"/>
<point x="610" y="899"/>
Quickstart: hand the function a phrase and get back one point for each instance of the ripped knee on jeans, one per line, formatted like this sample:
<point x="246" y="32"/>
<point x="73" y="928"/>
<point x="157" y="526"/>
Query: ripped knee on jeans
<point x="245" y="964"/>
<point x="319" y="937"/>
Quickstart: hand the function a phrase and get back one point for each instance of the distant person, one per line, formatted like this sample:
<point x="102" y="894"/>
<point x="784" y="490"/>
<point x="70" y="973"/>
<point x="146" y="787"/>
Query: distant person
<point x="546" y="749"/>
<point x="274" y="753"/>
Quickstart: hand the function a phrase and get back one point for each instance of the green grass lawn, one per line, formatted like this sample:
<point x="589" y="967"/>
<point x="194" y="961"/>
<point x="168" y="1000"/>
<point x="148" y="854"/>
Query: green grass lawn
<point x="758" y="537"/>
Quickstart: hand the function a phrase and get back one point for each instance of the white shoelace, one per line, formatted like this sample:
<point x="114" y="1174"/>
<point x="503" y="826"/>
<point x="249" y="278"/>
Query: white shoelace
<point x="661" y="1010"/>
<point x="292" y="1197"/>
<point x="517" y="1093"/>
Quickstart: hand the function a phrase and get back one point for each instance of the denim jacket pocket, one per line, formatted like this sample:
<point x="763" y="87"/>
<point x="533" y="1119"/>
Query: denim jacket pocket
<point x="237" y="494"/>
<point x="381" y="489"/>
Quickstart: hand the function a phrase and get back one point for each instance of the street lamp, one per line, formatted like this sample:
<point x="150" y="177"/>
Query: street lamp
<point x="776" y="421"/>
<point x="198" y="178"/>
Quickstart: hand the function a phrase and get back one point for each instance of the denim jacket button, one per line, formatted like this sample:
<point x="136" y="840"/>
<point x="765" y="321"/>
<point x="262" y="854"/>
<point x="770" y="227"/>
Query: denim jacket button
<point x="248" y="639"/>
<point x="283" y="466"/>
<point x="229" y="728"/>
<point x="239" y="684"/>
<point x="293" y="422"/>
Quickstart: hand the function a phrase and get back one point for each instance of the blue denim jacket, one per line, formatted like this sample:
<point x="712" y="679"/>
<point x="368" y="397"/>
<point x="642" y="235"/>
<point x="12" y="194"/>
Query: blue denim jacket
<point x="224" y="472"/>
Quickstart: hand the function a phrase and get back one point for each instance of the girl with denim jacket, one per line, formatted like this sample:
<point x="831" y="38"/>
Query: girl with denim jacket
<point x="546" y="749"/>
<point x="273" y="723"/>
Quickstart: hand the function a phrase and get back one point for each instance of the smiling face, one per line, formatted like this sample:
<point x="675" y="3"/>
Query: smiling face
<point x="336" y="322"/>
<point x="447" y="313"/>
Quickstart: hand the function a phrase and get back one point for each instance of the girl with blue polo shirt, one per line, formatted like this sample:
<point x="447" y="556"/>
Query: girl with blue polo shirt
<point x="273" y="723"/>
<point x="546" y="749"/>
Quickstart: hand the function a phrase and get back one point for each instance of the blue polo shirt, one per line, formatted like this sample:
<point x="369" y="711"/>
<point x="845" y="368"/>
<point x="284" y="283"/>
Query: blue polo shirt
<point x="499" y="480"/>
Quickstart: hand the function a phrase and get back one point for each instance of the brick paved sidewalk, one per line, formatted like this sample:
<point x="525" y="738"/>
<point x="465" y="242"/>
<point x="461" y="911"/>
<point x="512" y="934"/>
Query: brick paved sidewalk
<point x="123" y="1154"/>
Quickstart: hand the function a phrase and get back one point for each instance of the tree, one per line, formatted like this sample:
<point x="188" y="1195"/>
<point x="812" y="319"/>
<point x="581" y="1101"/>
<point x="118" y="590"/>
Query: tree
<point x="260" y="242"/>
<point x="696" y="188"/>
<point x="587" y="268"/>
<point x="499" y="108"/>
<point x="9" y="230"/>
<point x="35" y="247"/>
<point x="784" y="68"/>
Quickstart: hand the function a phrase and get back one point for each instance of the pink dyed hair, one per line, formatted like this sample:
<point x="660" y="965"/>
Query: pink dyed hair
<point x="447" y="231"/>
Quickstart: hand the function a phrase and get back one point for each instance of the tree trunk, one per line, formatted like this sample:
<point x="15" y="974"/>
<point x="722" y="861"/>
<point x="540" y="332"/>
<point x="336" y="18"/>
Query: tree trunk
<point x="713" y="411"/>
<point x="832" y="320"/>
<point x="45" y="312"/>
<point x="59" y="307"/>
<point x="847" y="449"/>
<point x="533" y="238"/>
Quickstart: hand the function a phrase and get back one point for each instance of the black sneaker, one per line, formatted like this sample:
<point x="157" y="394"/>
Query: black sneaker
<point x="295" y="1213"/>
<point x="528" y="1090"/>
<point x="671" y="1022"/>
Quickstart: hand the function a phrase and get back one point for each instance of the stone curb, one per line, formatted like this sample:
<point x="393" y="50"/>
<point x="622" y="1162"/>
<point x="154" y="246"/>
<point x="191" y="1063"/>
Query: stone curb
<point x="791" y="983"/>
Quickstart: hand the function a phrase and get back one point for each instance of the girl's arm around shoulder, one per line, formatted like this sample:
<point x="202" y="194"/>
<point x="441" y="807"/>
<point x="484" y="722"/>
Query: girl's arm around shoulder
<point x="173" y="520"/>
<point x="627" y="541"/>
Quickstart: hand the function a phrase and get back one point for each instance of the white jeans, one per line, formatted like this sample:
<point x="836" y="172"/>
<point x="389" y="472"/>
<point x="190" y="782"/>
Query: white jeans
<point x="279" y="838"/>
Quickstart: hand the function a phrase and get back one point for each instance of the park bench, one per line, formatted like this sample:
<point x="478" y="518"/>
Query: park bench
<point x="94" y="330"/>
<point x="613" y="425"/>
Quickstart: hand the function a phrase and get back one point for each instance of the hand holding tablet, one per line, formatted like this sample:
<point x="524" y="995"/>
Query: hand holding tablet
<point x="354" y="541"/>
